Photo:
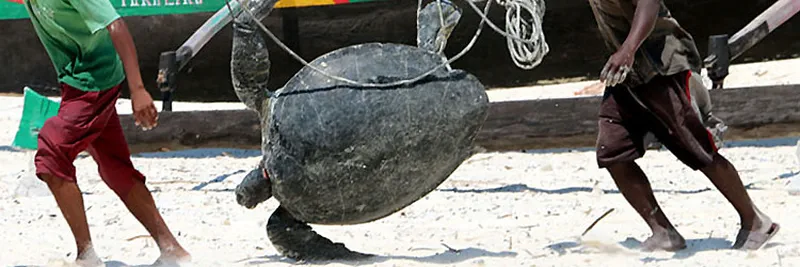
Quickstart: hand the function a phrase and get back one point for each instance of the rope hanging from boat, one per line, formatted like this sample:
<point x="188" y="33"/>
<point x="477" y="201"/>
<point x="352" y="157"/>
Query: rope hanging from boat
<point x="523" y="33"/>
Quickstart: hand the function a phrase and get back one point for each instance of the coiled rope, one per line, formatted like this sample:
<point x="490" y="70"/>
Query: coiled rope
<point x="526" y="53"/>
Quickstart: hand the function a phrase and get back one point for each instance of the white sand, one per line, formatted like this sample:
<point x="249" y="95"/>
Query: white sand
<point x="497" y="209"/>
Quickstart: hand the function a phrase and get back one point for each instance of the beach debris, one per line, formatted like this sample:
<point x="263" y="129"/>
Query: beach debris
<point x="596" y="221"/>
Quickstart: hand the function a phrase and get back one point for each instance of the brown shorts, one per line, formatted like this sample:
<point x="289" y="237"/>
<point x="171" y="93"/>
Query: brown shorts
<point x="662" y="107"/>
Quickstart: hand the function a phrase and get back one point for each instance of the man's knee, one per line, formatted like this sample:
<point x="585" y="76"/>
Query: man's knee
<point x="620" y="167"/>
<point x="53" y="165"/>
<point x="717" y="160"/>
<point x="54" y="182"/>
<point x="615" y="153"/>
<point x="122" y="184"/>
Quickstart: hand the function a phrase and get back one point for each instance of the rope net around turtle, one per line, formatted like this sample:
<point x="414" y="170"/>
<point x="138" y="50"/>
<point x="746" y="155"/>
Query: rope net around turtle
<point x="524" y="35"/>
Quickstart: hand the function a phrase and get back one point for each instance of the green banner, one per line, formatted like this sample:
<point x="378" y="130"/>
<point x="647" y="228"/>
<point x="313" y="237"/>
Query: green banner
<point x="131" y="7"/>
<point x="13" y="9"/>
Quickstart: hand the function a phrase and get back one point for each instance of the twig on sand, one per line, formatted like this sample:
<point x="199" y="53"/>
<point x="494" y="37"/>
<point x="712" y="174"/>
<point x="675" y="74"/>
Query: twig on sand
<point x="596" y="221"/>
<point x="137" y="237"/>
<point x="451" y="249"/>
<point x="175" y="182"/>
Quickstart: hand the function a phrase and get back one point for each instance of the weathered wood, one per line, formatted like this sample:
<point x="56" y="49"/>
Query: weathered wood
<point x="184" y="130"/>
<point x="749" y="112"/>
<point x="539" y="123"/>
<point x="753" y="112"/>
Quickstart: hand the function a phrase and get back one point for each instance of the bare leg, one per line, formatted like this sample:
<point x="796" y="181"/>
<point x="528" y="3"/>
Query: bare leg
<point x="70" y="201"/>
<point x="726" y="179"/>
<point x="635" y="187"/>
<point x="141" y="204"/>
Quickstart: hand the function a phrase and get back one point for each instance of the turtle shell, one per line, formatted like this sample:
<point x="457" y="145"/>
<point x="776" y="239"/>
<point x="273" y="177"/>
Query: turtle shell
<point x="338" y="154"/>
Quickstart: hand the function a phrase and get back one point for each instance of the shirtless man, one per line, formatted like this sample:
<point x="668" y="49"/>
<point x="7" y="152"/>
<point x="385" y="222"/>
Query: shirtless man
<point x="647" y="91"/>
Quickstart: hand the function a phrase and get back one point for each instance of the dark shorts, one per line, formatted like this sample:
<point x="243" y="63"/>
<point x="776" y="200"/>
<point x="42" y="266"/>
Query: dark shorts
<point x="662" y="107"/>
<point x="86" y="121"/>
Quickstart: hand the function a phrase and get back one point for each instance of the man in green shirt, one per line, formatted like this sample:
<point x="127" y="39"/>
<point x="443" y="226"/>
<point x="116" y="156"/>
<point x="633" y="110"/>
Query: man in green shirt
<point x="93" y="53"/>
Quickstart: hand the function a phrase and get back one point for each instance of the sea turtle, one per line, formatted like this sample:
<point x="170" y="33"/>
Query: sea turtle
<point x="339" y="154"/>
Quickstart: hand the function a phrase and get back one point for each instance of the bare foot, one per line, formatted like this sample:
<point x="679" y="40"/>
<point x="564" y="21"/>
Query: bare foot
<point x="173" y="259"/>
<point x="88" y="258"/>
<point x="758" y="235"/>
<point x="667" y="240"/>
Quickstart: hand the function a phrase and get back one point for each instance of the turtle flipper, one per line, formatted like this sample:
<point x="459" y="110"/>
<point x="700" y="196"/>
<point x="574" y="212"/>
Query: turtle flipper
<point x="432" y="34"/>
<point x="296" y="240"/>
<point x="254" y="189"/>
<point x="249" y="62"/>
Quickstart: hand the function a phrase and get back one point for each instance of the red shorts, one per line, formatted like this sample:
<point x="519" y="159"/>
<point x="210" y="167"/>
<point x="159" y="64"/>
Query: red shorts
<point x="86" y="121"/>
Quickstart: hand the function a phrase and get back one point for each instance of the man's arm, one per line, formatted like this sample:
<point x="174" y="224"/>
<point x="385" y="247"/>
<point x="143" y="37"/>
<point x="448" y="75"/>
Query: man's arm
<point x="143" y="108"/>
<point x="100" y="14"/>
<point x="644" y="20"/>
<point x="123" y="42"/>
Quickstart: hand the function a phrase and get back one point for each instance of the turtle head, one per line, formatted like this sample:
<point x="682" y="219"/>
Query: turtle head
<point x="254" y="189"/>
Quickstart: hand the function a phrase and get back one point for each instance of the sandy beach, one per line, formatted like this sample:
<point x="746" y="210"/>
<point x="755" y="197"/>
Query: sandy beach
<point x="526" y="208"/>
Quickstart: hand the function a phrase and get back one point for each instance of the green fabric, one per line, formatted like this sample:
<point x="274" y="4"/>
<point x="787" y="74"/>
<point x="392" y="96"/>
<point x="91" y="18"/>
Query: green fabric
<point x="9" y="10"/>
<point x="74" y="34"/>
<point x="35" y="111"/>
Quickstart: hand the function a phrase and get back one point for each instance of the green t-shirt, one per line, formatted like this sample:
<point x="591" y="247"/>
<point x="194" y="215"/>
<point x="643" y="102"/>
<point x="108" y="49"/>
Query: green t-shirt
<point x="74" y="34"/>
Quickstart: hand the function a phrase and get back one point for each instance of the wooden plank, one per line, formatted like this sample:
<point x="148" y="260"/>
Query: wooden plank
<point x="749" y="112"/>
<point x="753" y="112"/>
<point x="184" y="130"/>
<point x="766" y="22"/>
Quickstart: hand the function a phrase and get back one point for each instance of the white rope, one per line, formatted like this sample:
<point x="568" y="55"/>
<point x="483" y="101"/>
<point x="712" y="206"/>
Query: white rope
<point x="524" y="57"/>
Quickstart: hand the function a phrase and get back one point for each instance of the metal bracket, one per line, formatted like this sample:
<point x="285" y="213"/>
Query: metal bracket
<point x="718" y="60"/>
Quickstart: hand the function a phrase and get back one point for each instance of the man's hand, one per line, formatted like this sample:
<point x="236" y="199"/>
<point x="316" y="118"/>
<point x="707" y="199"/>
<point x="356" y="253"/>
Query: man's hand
<point x="144" y="111"/>
<point x="620" y="63"/>
<point x="617" y="67"/>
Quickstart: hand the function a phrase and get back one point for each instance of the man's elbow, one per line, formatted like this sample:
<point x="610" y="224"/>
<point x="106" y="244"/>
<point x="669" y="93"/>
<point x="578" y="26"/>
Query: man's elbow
<point x="117" y="26"/>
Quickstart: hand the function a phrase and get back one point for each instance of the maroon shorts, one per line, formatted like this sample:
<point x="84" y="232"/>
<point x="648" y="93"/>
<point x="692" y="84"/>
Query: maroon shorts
<point x="663" y="107"/>
<point x="86" y="121"/>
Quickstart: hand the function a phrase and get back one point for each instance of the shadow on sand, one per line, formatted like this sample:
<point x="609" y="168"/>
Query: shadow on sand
<point x="111" y="263"/>
<point x="517" y="188"/>
<point x="201" y="153"/>
<point x="446" y="257"/>
<point x="122" y="264"/>
<point x="10" y="149"/>
<point x="693" y="246"/>
<point x="218" y="179"/>
<point x="788" y="175"/>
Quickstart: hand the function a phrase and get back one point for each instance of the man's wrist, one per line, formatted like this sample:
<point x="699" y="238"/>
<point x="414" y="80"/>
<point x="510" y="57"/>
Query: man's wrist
<point x="136" y="88"/>
<point x="627" y="48"/>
